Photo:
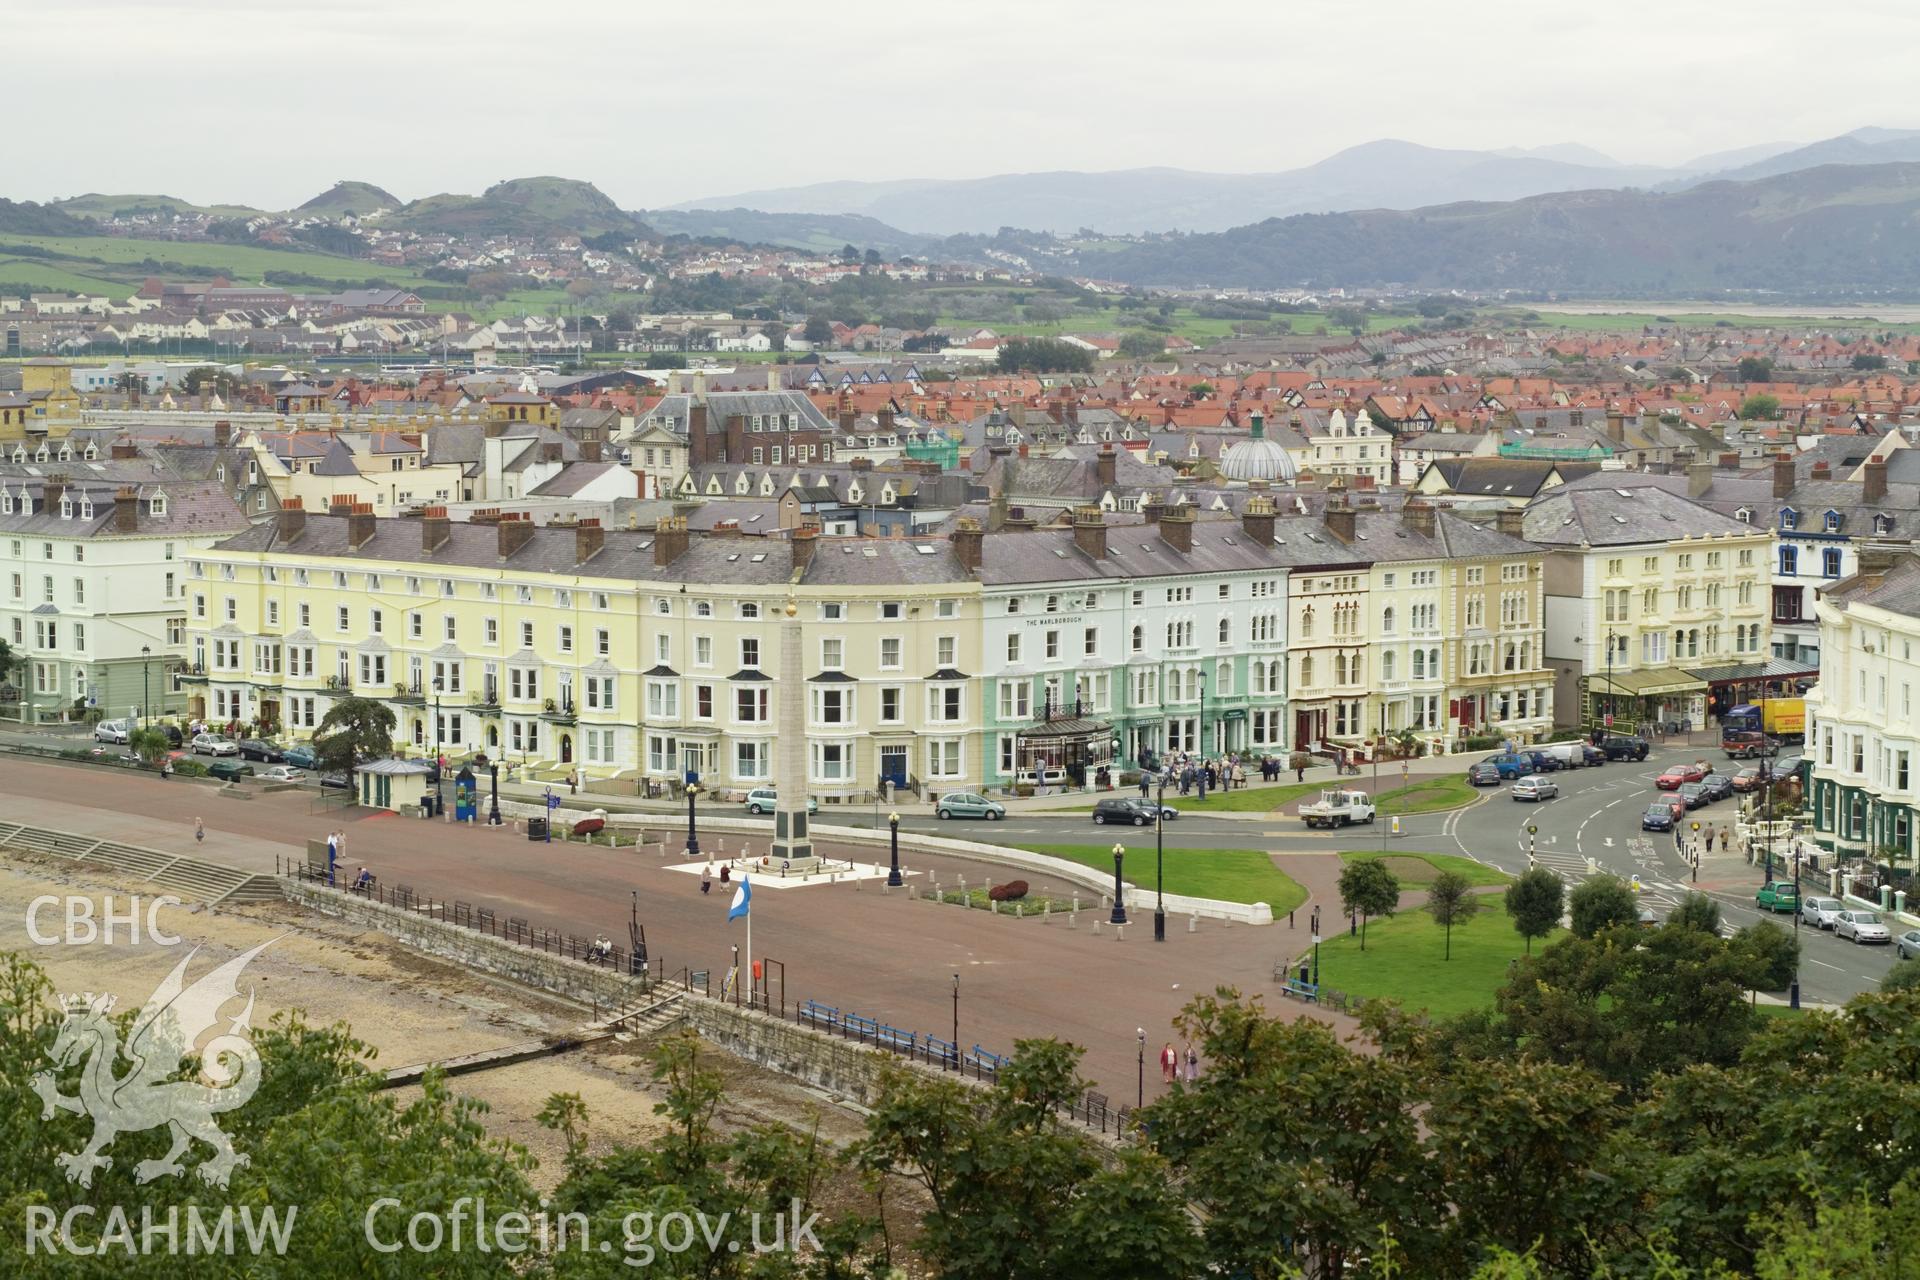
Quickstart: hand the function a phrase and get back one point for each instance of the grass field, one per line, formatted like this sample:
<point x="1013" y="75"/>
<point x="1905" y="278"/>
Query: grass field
<point x="1231" y="875"/>
<point x="1417" y="870"/>
<point x="1634" y="321"/>
<point x="1447" y="791"/>
<point x="1404" y="960"/>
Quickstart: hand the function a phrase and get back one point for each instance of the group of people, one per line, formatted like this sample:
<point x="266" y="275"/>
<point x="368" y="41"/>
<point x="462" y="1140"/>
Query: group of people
<point x="1171" y="1060"/>
<point x="1196" y="774"/>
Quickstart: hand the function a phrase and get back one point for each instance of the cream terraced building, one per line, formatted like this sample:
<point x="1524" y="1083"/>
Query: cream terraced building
<point x="622" y="653"/>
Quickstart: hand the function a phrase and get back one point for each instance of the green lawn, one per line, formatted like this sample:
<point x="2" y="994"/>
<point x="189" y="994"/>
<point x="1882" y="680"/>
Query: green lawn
<point x="1417" y="870"/>
<point x="1445" y="791"/>
<point x="1404" y="960"/>
<point x="1231" y="875"/>
<point x="246" y="262"/>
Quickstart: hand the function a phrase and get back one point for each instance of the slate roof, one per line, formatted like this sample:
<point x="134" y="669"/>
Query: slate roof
<point x="191" y="509"/>
<point x="1604" y="516"/>
<point x="1897" y="590"/>
<point x="1504" y="477"/>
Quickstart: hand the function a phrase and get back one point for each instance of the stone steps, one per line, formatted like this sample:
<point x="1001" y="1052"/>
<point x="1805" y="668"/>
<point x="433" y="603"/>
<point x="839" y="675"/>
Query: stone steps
<point x="190" y="878"/>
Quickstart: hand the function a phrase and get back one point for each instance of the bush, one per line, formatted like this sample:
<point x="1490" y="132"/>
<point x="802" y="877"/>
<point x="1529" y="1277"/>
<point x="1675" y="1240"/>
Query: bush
<point x="1012" y="891"/>
<point x="186" y="768"/>
<point x="1481" y="742"/>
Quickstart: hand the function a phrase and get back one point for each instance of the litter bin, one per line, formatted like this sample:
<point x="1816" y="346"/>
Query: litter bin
<point x="536" y="828"/>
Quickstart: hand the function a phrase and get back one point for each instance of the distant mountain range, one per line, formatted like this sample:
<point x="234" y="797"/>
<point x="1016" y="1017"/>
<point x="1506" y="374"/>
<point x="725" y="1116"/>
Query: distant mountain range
<point x="1376" y="175"/>
<point x="1836" y="228"/>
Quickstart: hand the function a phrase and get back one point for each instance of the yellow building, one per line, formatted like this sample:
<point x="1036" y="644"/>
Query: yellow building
<point x="639" y="654"/>
<point x="46" y="406"/>
<point x="522" y="406"/>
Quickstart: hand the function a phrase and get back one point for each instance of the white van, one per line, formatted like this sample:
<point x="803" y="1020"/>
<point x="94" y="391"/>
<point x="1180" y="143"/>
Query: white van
<point x="112" y="730"/>
<point x="1571" y="755"/>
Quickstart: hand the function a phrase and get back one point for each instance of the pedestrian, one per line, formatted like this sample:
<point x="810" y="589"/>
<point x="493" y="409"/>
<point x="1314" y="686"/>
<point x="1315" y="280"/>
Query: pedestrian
<point x="1193" y="1063"/>
<point x="573" y="782"/>
<point x="1709" y="835"/>
<point x="199" y="831"/>
<point x="726" y="872"/>
<point x="333" y="853"/>
<point x="1169" y="1064"/>
<point x="706" y="879"/>
<point x="1300" y="769"/>
<point x="1146" y="784"/>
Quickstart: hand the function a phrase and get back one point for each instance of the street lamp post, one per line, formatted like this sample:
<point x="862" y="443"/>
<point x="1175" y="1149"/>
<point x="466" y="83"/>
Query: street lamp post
<point x="1206" y="748"/>
<point x="493" y="811"/>
<point x="1160" y="862"/>
<point x="439" y="746"/>
<point x="1140" y="1097"/>
<point x="1119" y="915"/>
<point x="1316" y="945"/>
<point x="956" y="1022"/>
<point x="693" y="834"/>
<point x="893" y="875"/>
<point x="146" y="666"/>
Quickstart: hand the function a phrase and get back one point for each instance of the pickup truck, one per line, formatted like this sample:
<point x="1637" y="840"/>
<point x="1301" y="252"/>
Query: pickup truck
<point x="1337" y="808"/>
<point x="1747" y="744"/>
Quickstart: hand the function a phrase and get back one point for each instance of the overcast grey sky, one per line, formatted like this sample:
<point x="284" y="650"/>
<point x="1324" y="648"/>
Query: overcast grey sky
<point x="268" y="102"/>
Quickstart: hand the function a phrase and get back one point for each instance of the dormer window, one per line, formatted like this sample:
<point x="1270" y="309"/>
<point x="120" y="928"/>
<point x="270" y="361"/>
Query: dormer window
<point x="66" y="508"/>
<point x="86" y="508"/>
<point x="1789" y="518"/>
<point x="157" y="505"/>
<point x="1832" y="521"/>
<point x="6" y="503"/>
<point x="1744" y="515"/>
<point x="1883" y="524"/>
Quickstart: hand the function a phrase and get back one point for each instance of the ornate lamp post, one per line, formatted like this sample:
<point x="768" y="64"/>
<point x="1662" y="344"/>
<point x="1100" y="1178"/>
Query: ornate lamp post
<point x="693" y="834"/>
<point x="1119" y="915"/>
<point x="893" y="875"/>
<point x="1140" y="1097"/>
<point x="1159" y="862"/>
<point x="146" y="666"/>
<point x="493" y="811"/>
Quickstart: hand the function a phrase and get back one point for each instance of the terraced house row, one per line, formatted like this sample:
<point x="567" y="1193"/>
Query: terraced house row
<point x="969" y="660"/>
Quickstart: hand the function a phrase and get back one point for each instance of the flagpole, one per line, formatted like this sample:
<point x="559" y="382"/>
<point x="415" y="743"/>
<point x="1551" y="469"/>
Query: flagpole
<point x="749" y="953"/>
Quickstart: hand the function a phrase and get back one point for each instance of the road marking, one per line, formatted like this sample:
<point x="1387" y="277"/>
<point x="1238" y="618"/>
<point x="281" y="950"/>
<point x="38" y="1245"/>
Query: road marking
<point x="1607" y="843"/>
<point x="1824" y="965"/>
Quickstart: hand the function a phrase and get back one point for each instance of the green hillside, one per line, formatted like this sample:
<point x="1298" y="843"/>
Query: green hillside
<point x="350" y="197"/>
<point x="115" y="263"/>
<point x="522" y="206"/>
<point x="98" y="205"/>
<point x="816" y="232"/>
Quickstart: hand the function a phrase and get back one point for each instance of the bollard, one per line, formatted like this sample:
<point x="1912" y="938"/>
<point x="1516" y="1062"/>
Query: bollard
<point x="993" y="906"/>
<point x="1593" y="864"/>
<point x="1096" y="926"/>
<point x="1120" y="933"/>
<point x="1019" y="911"/>
<point x="1046" y="913"/>
<point x="1193" y="922"/>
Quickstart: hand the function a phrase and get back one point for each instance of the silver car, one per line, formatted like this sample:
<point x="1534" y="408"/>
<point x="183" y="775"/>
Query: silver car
<point x="1908" y="944"/>
<point x="1862" y="926"/>
<point x="1821" y="913"/>
<point x="212" y="744"/>
<point x="1535" y="787"/>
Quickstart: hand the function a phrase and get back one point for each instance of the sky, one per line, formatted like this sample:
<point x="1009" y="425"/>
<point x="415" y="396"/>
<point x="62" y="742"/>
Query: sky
<point x="269" y="102"/>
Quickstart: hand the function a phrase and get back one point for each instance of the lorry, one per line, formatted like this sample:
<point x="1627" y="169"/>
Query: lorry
<point x="1782" y="718"/>
<point x="1337" y="808"/>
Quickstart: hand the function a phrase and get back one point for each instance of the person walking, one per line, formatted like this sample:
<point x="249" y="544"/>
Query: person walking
<point x="1146" y="784"/>
<point x="706" y="879"/>
<point x="1300" y="770"/>
<point x="1169" y="1064"/>
<point x="1708" y="832"/>
<point x="199" y="831"/>
<point x="1193" y="1063"/>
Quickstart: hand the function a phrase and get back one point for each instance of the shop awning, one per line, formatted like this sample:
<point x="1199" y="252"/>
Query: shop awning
<point x="1646" y="684"/>
<point x="1748" y="672"/>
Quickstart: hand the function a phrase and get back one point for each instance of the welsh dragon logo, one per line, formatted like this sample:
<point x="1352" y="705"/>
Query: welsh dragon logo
<point x="167" y="1029"/>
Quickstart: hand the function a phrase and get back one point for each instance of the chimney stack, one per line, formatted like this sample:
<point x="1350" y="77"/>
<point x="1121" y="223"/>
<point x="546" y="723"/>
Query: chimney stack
<point x="126" y="508"/>
<point x="806" y="541"/>
<point x="669" y="539"/>
<point x="1699" y="477"/>
<point x="1875" y="561"/>
<point x="514" y="531"/>
<point x="773" y="378"/>
<point x="1105" y="466"/>
<point x="1339" y="517"/>
<point x="1257" y="519"/>
<point x="1511" y="521"/>
<point x="1616" y="426"/>
<point x="1782" y="474"/>
<point x="1090" y="531"/>
<point x="588" y="538"/>
<point x="340" y="505"/>
<point x="360" y="525"/>
<point x="1151" y="510"/>
<point x="1176" y="527"/>
<point x="969" y="542"/>
<point x="590" y="450"/>
<point x="222" y="433"/>
<point x="1019" y="521"/>
<point x="123" y="450"/>
<point x="293" y="519"/>
<point x="1418" y="516"/>
<point x="52" y="489"/>
<point x="435" y="529"/>
<point x="1873" y="487"/>
<point x="1822" y="470"/>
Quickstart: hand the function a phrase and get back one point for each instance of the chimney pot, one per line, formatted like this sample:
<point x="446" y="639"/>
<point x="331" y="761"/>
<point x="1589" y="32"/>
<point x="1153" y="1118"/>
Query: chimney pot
<point x="514" y="531"/>
<point x="1873" y="477"/>
<point x="293" y="519"/>
<point x="969" y="542"/>
<point x="669" y="539"/>
<point x="360" y="525"/>
<point x="1176" y="528"/>
<point x="588" y="538"/>
<point x="126" y="509"/>
<point x="1090" y="531"/>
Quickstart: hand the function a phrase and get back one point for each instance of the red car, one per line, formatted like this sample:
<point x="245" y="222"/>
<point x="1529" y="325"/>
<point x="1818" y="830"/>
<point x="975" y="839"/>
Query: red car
<point x="1678" y="775"/>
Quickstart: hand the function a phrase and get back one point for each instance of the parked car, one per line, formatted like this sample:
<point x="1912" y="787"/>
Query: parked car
<point x="1862" y="927"/>
<point x="229" y="770"/>
<point x="1624" y="746"/>
<point x="1748" y="779"/>
<point x="965" y="804"/>
<point x="1748" y="744"/>
<point x="1694" y="795"/>
<point x="1129" y="811"/>
<point x="1719" y="786"/>
<point x="1658" y="817"/>
<point x="338" y="781"/>
<point x="1593" y="754"/>
<point x="765" y="800"/>
<point x="212" y="744"/>
<point x="1543" y="761"/>
<point x="1484" y="774"/>
<point x="1778" y="895"/>
<point x="1676" y="776"/>
<point x="1535" y="787"/>
<point x="300" y="757"/>
<point x="1511" y="765"/>
<point x="261" y="750"/>
<point x="112" y="730"/>
<point x="1908" y="944"/>
<point x="281" y="773"/>
<point x="1821" y="913"/>
<point x="176" y="738"/>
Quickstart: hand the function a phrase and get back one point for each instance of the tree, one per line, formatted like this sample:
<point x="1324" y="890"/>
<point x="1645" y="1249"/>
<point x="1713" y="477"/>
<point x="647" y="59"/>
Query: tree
<point x="1904" y="976"/>
<point x="1761" y="406"/>
<point x="1696" y="911"/>
<point x="1043" y="355"/>
<point x="849" y="254"/>
<point x="776" y="333"/>
<point x="1201" y="390"/>
<point x="1140" y="345"/>
<point x="207" y="379"/>
<point x="1602" y="903"/>
<point x="1451" y="901"/>
<point x="1047" y="311"/>
<point x="1866" y="362"/>
<point x="1770" y="954"/>
<point x="818" y="331"/>
<point x="1352" y="319"/>
<point x="1754" y="369"/>
<point x="150" y="745"/>
<point x="1368" y="889"/>
<point x="871" y="258"/>
<point x="1433" y="306"/>
<point x="1535" y="902"/>
<point x="353" y="729"/>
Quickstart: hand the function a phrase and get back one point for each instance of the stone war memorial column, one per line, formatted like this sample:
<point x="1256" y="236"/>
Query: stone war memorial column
<point x="791" y="837"/>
